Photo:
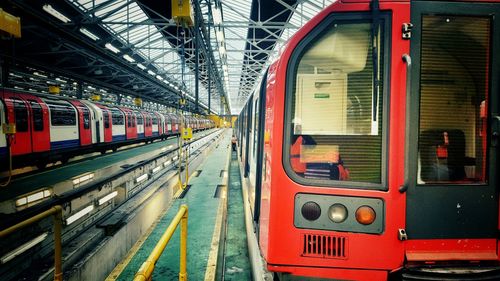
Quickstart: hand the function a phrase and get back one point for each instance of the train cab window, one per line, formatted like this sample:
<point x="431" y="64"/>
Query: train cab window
<point x="37" y="111"/>
<point x="105" y="116"/>
<point x="335" y="106"/>
<point x="454" y="85"/>
<point x="62" y="114"/>
<point x="21" y="115"/>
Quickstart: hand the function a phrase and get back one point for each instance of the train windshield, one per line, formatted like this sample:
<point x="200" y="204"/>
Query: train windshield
<point x="336" y="109"/>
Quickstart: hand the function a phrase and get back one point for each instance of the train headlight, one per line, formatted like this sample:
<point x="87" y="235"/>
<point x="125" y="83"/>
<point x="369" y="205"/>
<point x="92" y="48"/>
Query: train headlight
<point x="365" y="215"/>
<point x="311" y="211"/>
<point x="337" y="213"/>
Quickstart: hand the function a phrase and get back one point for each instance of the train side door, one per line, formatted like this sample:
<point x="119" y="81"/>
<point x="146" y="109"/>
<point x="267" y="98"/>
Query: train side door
<point x="453" y="132"/>
<point x="18" y="113"/>
<point x="40" y="130"/>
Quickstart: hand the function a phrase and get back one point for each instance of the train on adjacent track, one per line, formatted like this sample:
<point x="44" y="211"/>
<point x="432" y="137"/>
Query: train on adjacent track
<point x="370" y="148"/>
<point x="53" y="128"/>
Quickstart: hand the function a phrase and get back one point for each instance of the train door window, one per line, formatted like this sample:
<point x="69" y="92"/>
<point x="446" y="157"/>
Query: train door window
<point x="37" y="115"/>
<point x="155" y="120"/>
<point x="21" y="115"/>
<point x="454" y="87"/>
<point x="105" y="116"/>
<point x="86" y="117"/>
<point x="335" y="104"/>
<point x="140" y="121"/>
<point x="62" y="114"/>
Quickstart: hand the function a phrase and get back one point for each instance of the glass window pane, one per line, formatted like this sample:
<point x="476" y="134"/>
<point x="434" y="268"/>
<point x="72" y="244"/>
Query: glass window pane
<point x="62" y="114"/>
<point x="337" y="114"/>
<point x="21" y="115"/>
<point x="453" y="100"/>
<point x="36" y="108"/>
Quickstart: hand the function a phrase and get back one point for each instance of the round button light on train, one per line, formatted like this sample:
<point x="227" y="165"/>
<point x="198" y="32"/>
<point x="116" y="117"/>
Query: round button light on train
<point x="337" y="213"/>
<point x="311" y="211"/>
<point x="365" y="215"/>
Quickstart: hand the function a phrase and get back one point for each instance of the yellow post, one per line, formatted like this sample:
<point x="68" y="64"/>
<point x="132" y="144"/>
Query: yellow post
<point x="183" y="255"/>
<point x="56" y="211"/>
<point x="146" y="270"/>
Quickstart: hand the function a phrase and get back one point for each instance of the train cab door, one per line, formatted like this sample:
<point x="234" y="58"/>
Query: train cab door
<point x="452" y="196"/>
<point x="40" y="135"/>
<point x="18" y="113"/>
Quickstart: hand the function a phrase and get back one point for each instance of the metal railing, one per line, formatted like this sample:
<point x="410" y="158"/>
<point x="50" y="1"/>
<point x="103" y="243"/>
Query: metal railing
<point x="55" y="211"/>
<point x="145" y="273"/>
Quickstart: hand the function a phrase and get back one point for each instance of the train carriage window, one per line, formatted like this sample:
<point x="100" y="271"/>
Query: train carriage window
<point x="454" y="85"/>
<point x="140" y="120"/>
<point x="155" y="120"/>
<point x="62" y="114"/>
<point x="105" y="116"/>
<point x="117" y="117"/>
<point x="21" y="115"/>
<point x="37" y="111"/>
<point x="336" y="109"/>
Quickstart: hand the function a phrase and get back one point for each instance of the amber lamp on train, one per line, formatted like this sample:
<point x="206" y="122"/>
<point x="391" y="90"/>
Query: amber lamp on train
<point x="365" y="215"/>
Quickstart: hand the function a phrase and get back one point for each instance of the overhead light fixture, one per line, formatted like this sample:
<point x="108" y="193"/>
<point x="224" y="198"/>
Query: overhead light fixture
<point x="159" y="77"/>
<point x="55" y="13"/>
<point x="23" y="248"/>
<point x="166" y="163"/>
<point x="89" y="34"/>
<point x="216" y="16"/>
<point x="108" y="197"/>
<point x="128" y="58"/>
<point x="112" y="48"/>
<point x="79" y="214"/>
<point x="141" y="66"/>
<point x="150" y="72"/>
<point x="39" y="74"/>
<point x="61" y="80"/>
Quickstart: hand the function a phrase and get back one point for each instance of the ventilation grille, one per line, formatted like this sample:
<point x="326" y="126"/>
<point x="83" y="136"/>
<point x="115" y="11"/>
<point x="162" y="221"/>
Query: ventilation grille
<point x="323" y="246"/>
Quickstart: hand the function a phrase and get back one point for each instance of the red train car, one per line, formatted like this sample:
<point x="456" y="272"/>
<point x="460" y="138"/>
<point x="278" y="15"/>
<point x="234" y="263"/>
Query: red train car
<point x="376" y="144"/>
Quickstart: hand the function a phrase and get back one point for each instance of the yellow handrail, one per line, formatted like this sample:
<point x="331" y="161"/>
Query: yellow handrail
<point x="145" y="273"/>
<point x="56" y="211"/>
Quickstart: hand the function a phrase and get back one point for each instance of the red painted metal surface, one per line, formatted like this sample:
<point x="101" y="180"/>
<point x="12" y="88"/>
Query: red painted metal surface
<point x="85" y="131"/>
<point x="40" y="139"/>
<point x="21" y="141"/>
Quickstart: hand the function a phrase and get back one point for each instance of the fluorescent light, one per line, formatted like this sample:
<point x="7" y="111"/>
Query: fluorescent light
<point x="216" y="16"/>
<point x="89" y="34"/>
<point x="156" y="169"/>
<point x="141" y="178"/>
<point x="151" y="73"/>
<point x="61" y="80"/>
<point x="141" y="66"/>
<point x="128" y="58"/>
<point x="23" y="248"/>
<point x="84" y="178"/>
<point x="159" y="77"/>
<point x="108" y="197"/>
<point x="112" y="48"/>
<point x="79" y="214"/>
<point x="166" y="163"/>
<point x="175" y="158"/>
<point x="55" y="13"/>
<point x="39" y="74"/>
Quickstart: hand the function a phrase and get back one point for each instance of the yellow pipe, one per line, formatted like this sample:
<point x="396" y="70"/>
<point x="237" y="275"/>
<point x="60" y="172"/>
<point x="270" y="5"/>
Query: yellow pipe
<point x="145" y="273"/>
<point x="56" y="211"/>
